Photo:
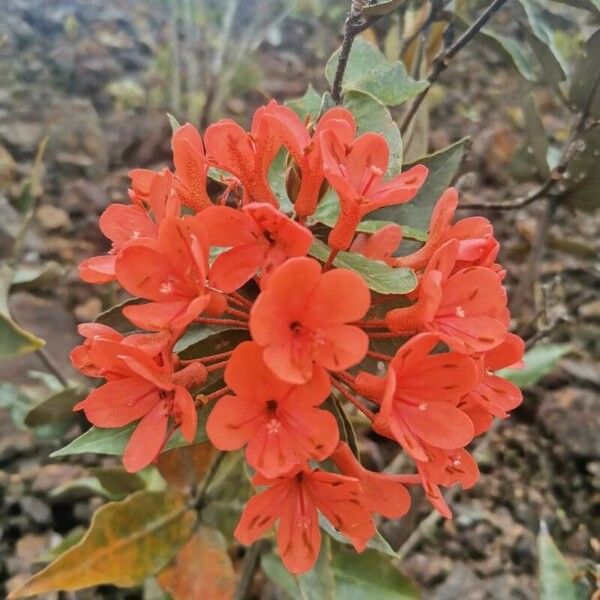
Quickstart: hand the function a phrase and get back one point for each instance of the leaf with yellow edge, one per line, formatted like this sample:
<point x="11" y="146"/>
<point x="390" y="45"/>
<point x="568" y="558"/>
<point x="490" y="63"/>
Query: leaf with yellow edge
<point x="127" y="541"/>
<point x="202" y="569"/>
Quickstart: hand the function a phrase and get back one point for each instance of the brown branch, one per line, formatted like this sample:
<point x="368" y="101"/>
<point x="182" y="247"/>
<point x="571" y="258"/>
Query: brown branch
<point x="249" y="566"/>
<point x="355" y="23"/>
<point x="534" y="195"/>
<point x="440" y="64"/>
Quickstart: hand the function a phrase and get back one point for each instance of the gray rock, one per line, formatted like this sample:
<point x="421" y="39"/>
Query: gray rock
<point x="572" y="417"/>
<point x="37" y="510"/>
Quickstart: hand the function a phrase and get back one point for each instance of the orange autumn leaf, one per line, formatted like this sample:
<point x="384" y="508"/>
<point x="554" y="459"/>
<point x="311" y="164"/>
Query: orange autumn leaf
<point x="127" y="541"/>
<point x="202" y="570"/>
<point x="184" y="468"/>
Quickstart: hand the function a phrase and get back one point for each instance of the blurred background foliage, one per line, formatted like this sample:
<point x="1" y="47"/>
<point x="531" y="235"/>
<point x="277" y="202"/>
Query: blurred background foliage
<point x="85" y="88"/>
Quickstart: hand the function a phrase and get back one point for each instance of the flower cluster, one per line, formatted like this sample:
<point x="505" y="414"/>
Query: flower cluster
<point x="420" y="368"/>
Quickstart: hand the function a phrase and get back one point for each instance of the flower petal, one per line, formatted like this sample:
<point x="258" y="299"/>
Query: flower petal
<point x="147" y="440"/>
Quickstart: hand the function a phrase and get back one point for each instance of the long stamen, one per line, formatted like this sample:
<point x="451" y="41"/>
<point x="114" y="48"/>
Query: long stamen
<point x="382" y="335"/>
<point x="204" y="399"/>
<point x="330" y="260"/>
<point x="363" y="409"/>
<point x="237" y="313"/>
<point x="216" y="366"/>
<point x="374" y="323"/>
<point x="231" y="322"/>
<point x="236" y="296"/>
<point x="215" y="357"/>
<point x="379" y="355"/>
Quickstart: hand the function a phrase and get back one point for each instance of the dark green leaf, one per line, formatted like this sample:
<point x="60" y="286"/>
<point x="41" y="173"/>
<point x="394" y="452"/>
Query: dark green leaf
<point x="369" y="576"/>
<point x="369" y="71"/>
<point x="56" y="408"/>
<point x="585" y="90"/>
<point x="204" y="340"/>
<point x="277" y="181"/>
<point x="539" y="361"/>
<point x="308" y="105"/>
<point x="540" y="35"/>
<point x="318" y="583"/>
<point x="377" y="275"/>
<point x="113" y="317"/>
<point x="372" y="115"/>
<point x="347" y="433"/>
<point x="443" y="167"/>
<point x="556" y="580"/>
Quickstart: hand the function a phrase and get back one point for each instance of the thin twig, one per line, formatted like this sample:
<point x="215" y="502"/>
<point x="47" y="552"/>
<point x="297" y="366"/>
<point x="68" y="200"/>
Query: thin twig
<point x="355" y="23"/>
<point x="526" y="200"/>
<point x="440" y="64"/>
<point x="212" y="471"/>
<point x="249" y="565"/>
<point x="49" y="363"/>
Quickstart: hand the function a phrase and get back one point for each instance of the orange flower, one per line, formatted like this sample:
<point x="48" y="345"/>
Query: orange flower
<point x="248" y="156"/>
<point x="467" y="308"/>
<point x="494" y="396"/>
<point x="276" y="421"/>
<point x="261" y="238"/>
<point x="306" y="150"/>
<point x="123" y="225"/>
<point x="379" y="245"/>
<point x="295" y="500"/>
<point x="171" y="272"/>
<point x="356" y="170"/>
<point x="301" y="320"/>
<point x="144" y="388"/>
<point x="418" y="402"/>
<point x="381" y="493"/>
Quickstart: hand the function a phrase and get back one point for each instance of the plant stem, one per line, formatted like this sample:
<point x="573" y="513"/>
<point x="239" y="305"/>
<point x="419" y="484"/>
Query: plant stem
<point x="363" y="409"/>
<point x="212" y="471"/>
<point x="49" y="363"/>
<point x="249" y="565"/>
<point x="355" y="23"/>
<point x="440" y="64"/>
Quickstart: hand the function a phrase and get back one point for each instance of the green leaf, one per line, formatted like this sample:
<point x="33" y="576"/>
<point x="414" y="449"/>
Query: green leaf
<point x="537" y="141"/>
<point x="16" y="402"/>
<point x="56" y="408"/>
<point x="273" y="568"/>
<point x="541" y="39"/>
<point x="328" y="212"/>
<point x="347" y="433"/>
<point x="308" y="105"/>
<point x="173" y="122"/>
<point x="369" y="576"/>
<point x="204" y="340"/>
<point x="113" y="441"/>
<point x="443" y="167"/>
<point x="377" y="275"/>
<point x="368" y="71"/>
<point x="518" y="53"/>
<point x="14" y="340"/>
<point x="372" y="115"/>
<point x="318" y="583"/>
<point x="113" y="483"/>
<point x="113" y="317"/>
<point x="277" y="181"/>
<point x="556" y="580"/>
<point x="591" y="5"/>
<point x="539" y="361"/>
<point x="585" y="78"/>
<point x="377" y="542"/>
<point x="583" y="174"/>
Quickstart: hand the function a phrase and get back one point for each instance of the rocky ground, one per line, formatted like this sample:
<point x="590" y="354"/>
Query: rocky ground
<point x="88" y="74"/>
